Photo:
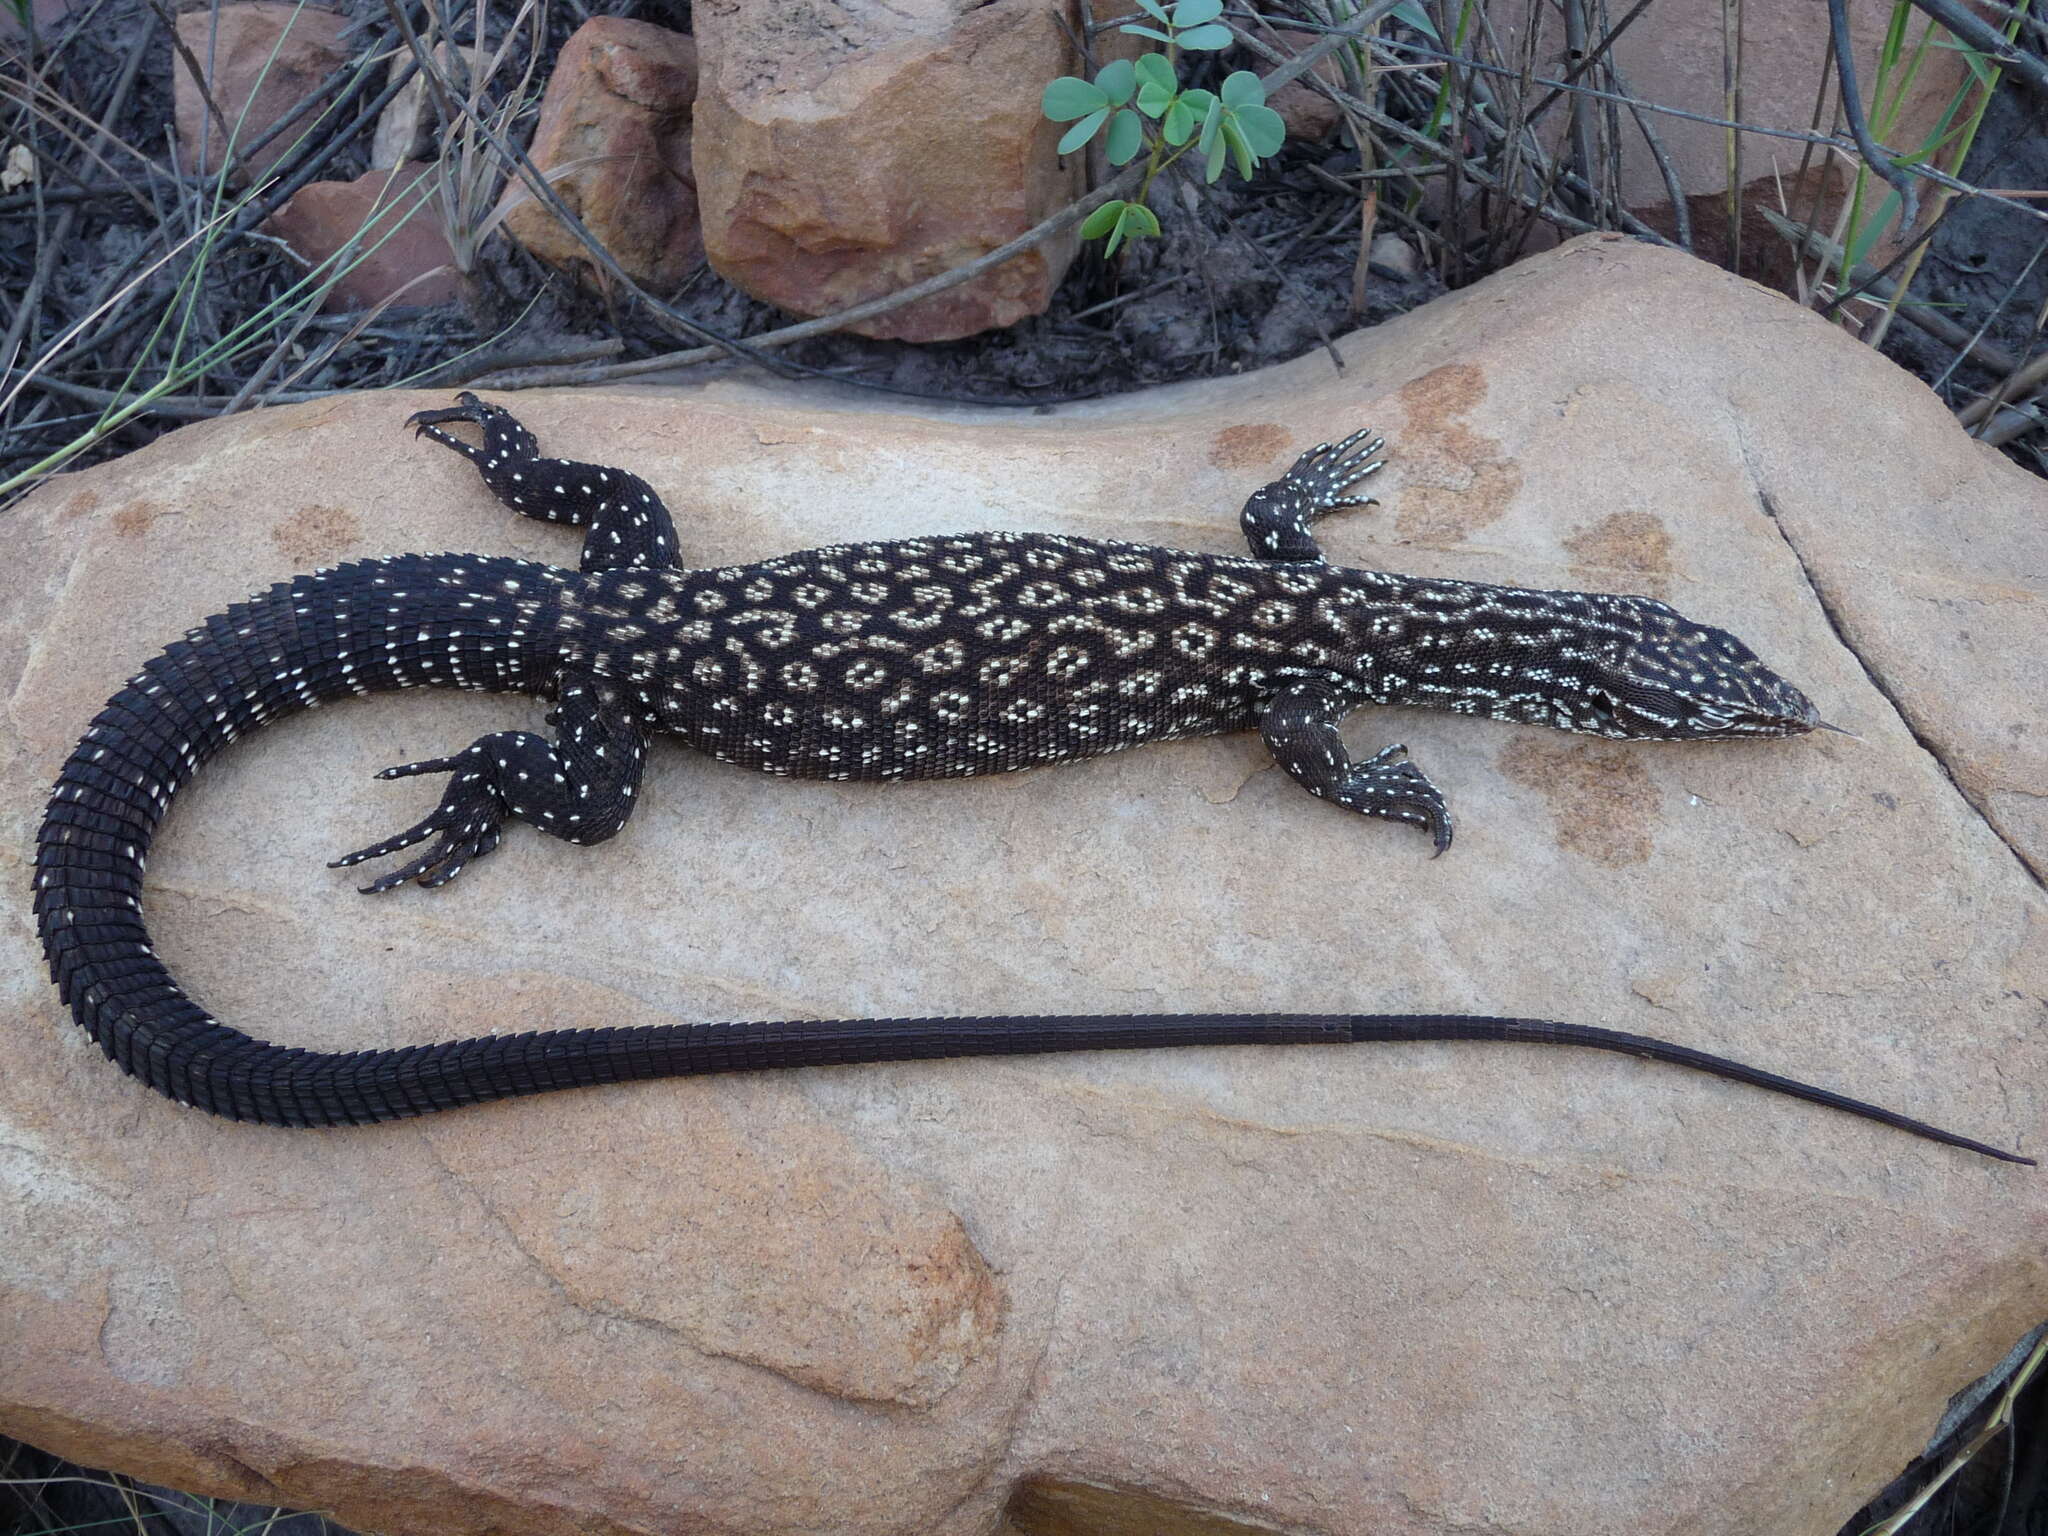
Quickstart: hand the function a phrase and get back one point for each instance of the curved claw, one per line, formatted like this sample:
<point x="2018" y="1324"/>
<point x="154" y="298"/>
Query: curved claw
<point x="418" y="832"/>
<point x="1414" y="798"/>
<point x="467" y="822"/>
<point x="467" y="408"/>
<point x="442" y="862"/>
<point x="475" y="835"/>
<point x="414" y="770"/>
<point x="1440" y="831"/>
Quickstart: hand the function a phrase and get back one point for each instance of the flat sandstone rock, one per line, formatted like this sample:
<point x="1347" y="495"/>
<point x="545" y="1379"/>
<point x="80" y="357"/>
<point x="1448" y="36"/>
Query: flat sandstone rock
<point x="1405" y="1290"/>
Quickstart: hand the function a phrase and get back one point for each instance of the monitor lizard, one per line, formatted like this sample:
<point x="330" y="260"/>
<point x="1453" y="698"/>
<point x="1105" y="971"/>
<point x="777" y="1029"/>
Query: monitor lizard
<point x="929" y="657"/>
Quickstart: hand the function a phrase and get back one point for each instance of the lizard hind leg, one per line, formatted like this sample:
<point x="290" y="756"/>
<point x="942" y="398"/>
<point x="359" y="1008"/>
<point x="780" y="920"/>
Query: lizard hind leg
<point x="579" y="787"/>
<point x="1277" y="518"/>
<point x="629" y="526"/>
<point x="1300" y="728"/>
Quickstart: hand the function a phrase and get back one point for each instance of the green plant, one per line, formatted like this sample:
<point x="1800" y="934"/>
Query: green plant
<point x="1946" y="144"/>
<point x="1144" y="108"/>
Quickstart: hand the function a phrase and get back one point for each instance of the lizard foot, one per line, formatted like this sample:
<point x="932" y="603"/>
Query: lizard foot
<point x="1321" y="476"/>
<point x="1387" y="784"/>
<point x="504" y="439"/>
<point x="1276" y="519"/>
<point x="466" y="825"/>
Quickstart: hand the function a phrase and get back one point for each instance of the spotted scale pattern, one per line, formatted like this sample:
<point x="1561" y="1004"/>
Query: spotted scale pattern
<point x="943" y="656"/>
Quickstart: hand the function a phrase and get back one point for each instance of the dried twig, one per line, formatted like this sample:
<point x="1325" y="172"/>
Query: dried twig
<point x="53" y="246"/>
<point x="2029" y="69"/>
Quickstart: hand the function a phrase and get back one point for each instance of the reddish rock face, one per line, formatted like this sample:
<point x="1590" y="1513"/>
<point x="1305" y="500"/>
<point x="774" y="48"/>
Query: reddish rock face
<point x="615" y="124"/>
<point x="253" y="89"/>
<point x="403" y="241"/>
<point x="846" y="149"/>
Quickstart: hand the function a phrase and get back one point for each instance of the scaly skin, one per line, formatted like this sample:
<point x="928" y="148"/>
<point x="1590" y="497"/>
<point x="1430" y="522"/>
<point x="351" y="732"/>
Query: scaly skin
<point x="937" y="657"/>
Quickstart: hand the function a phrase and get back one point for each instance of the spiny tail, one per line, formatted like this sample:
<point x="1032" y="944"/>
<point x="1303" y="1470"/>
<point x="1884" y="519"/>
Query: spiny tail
<point x="473" y="622"/>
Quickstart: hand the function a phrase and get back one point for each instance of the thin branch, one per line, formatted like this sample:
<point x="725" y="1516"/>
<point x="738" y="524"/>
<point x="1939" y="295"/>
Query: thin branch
<point x="31" y="300"/>
<point x="1833" y="141"/>
<point x="1989" y="41"/>
<point x="1867" y="279"/>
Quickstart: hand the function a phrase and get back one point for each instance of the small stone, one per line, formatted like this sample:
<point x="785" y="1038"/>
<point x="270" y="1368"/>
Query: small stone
<point x="404" y="248"/>
<point x="1395" y="255"/>
<point x="235" y="45"/>
<point x="405" y="126"/>
<point x="614" y="142"/>
<point x="849" y="148"/>
<point x="1310" y="116"/>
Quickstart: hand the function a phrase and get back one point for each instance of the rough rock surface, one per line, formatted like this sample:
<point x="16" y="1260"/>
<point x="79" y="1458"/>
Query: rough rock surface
<point x="1673" y="57"/>
<point x="410" y="262"/>
<point x="405" y="128"/>
<point x="848" y="148"/>
<point x="261" y="59"/>
<point x="1407" y="1290"/>
<point x="614" y="140"/>
<point x="1307" y="112"/>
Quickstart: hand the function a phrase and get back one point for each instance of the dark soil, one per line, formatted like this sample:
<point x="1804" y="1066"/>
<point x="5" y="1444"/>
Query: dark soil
<point x="1987" y="264"/>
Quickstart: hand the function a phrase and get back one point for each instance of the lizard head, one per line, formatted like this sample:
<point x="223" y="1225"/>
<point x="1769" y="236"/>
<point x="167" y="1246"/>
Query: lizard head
<point x="1659" y="676"/>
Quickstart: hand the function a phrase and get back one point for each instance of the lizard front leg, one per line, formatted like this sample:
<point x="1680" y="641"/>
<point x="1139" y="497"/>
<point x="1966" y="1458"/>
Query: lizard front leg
<point x="1277" y="518"/>
<point x="629" y="526"/>
<point x="578" y="787"/>
<point x="1300" y="727"/>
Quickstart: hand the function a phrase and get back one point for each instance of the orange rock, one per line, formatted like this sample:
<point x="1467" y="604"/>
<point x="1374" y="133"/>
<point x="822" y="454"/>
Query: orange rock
<point x="235" y="45"/>
<point x="1674" y="58"/>
<point x="848" y="150"/>
<point x="617" y="110"/>
<point x="323" y="216"/>
<point x="1308" y="113"/>
<point x="1410" y="1290"/>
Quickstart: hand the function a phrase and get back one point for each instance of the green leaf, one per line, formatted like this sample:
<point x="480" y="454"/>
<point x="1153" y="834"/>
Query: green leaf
<point x="1212" y="167"/>
<point x="1134" y="221"/>
<point x="1068" y="98"/>
<point x="1192" y="13"/>
<point x="1242" y="88"/>
<point x="1263" y="129"/>
<point x="1863" y="239"/>
<point x="1410" y="14"/>
<point x="1156" y="69"/>
<point x="1210" y="119"/>
<point x="1155" y="10"/>
<point x="1102" y="220"/>
<point x="1126" y="137"/>
<point x="1152" y="100"/>
<point x="1199" y="101"/>
<point x="1139" y="31"/>
<point x="1115" y="80"/>
<point x="1214" y="35"/>
<point x="1116" y="234"/>
<point x="1240" y="151"/>
<point x="1178" y="125"/>
<point x="1082" y="131"/>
